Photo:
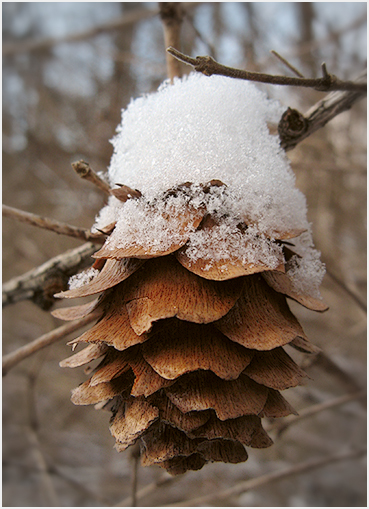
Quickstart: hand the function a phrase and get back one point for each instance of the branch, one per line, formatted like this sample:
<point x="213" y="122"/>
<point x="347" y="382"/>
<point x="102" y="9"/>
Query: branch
<point x="148" y="489"/>
<point x="362" y="305"/>
<point x="12" y="359"/>
<point x="85" y="171"/>
<point x="40" y="284"/>
<point x="128" y="18"/>
<point x="46" y="484"/>
<point x="287" y="64"/>
<point x="135" y="458"/>
<point x="326" y="83"/>
<point x="281" y="426"/>
<point x="328" y="365"/>
<point x="171" y="14"/>
<point x="295" y="127"/>
<point x="51" y="224"/>
<point x="263" y="480"/>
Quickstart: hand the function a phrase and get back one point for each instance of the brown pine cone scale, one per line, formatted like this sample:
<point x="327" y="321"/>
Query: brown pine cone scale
<point x="191" y="350"/>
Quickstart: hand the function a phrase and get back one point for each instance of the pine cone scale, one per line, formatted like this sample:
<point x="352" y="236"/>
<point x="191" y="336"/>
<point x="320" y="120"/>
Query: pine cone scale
<point x="192" y="351"/>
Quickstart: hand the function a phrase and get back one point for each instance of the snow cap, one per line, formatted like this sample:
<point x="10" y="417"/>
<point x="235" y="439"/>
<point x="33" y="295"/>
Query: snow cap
<point x="199" y="129"/>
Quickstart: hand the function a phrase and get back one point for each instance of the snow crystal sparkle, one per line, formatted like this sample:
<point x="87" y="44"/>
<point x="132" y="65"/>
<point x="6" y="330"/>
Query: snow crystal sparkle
<point x="198" y="129"/>
<point x="203" y="248"/>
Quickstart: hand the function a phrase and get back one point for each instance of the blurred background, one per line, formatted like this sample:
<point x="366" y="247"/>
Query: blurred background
<point x="68" y="70"/>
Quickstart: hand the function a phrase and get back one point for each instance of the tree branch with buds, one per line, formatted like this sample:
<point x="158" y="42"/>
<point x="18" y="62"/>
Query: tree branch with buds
<point x="327" y="83"/>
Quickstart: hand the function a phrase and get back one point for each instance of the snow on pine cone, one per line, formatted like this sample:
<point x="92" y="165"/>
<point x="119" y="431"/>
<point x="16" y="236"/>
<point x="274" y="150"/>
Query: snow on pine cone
<point x="190" y="340"/>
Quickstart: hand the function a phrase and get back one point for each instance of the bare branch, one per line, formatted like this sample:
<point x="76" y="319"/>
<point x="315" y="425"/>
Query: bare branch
<point x="135" y="457"/>
<point x="12" y="359"/>
<point x="190" y="18"/>
<point x="128" y="18"/>
<point x="287" y="64"/>
<point x="40" y="284"/>
<point x="263" y="480"/>
<point x="51" y="224"/>
<point x="171" y="14"/>
<point x="209" y="66"/>
<point x="281" y="426"/>
<point x="46" y="484"/>
<point x="85" y="171"/>
<point x="332" y="37"/>
<point x="362" y="305"/>
<point x="328" y="365"/>
<point x="148" y="489"/>
<point x="295" y="127"/>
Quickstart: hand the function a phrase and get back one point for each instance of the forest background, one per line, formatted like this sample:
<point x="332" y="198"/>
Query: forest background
<point x="68" y="70"/>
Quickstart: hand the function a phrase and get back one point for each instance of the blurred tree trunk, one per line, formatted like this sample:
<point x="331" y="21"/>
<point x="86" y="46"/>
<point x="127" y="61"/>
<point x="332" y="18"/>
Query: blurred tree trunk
<point x="306" y="19"/>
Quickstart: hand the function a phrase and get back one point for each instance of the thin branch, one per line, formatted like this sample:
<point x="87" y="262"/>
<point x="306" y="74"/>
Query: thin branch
<point x="295" y="127"/>
<point x="85" y="171"/>
<point x="287" y="64"/>
<point x="46" y="484"/>
<point x="281" y="426"/>
<point x="303" y="48"/>
<point x="51" y="224"/>
<point x="171" y="14"/>
<point x="57" y="471"/>
<point x="127" y="19"/>
<point x="148" y="489"/>
<point x="135" y="457"/>
<point x="328" y="365"/>
<point x="40" y="284"/>
<point x="190" y="18"/>
<point x="208" y="66"/>
<point x="349" y="292"/>
<point x="263" y="480"/>
<point x="12" y="359"/>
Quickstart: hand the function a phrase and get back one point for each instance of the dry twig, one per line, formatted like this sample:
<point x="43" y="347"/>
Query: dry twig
<point x="51" y="224"/>
<point x="40" y="284"/>
<point x="46" y="484"/>
<point x="362" y="305"/>
<point x="148" y="489"/>
<point x="85" y="171"/>
<point x="263" y="480"/>
<point x="127" y="19"/>
<point x="295" y="127"/>
<point x="328" y="365"/>
<point x="12" y="359"/>
<point x="281" y="426"/>
<point x="135" y="457"/>
<point x="327" y="83"/>
<point x="287" y="64"/>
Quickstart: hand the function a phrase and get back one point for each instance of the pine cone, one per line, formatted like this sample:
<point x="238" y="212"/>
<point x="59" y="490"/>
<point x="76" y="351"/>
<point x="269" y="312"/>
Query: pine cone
<point x="191" y="336"/>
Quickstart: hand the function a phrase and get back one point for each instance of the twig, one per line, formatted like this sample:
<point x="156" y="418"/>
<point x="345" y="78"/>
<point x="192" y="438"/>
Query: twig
<point x="57" y="471"/>
<point x="295" y="127"/>
<point x="328" y="365"/>
<point x="46" y="483"/>
<point x="353" y="296"/>
<point x="128" y="18"/>
<point x="147" y="490"/>
<point x="209" y="66"/>
<point x="47" y="486"/>
<point x="171" y="14"/>
<point x="281" y="426"/>
<point x="12" y="359"/>
<point x="51" y="224"/>
<point x="309" y="46"/>
<point x="40" y="284"/>
<point x="287" y="64"/>
<point x="263" y="480"/>
<point x="198" y="34"/>
<point x="85" y="171"/>
<point x="135" y="457"/>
